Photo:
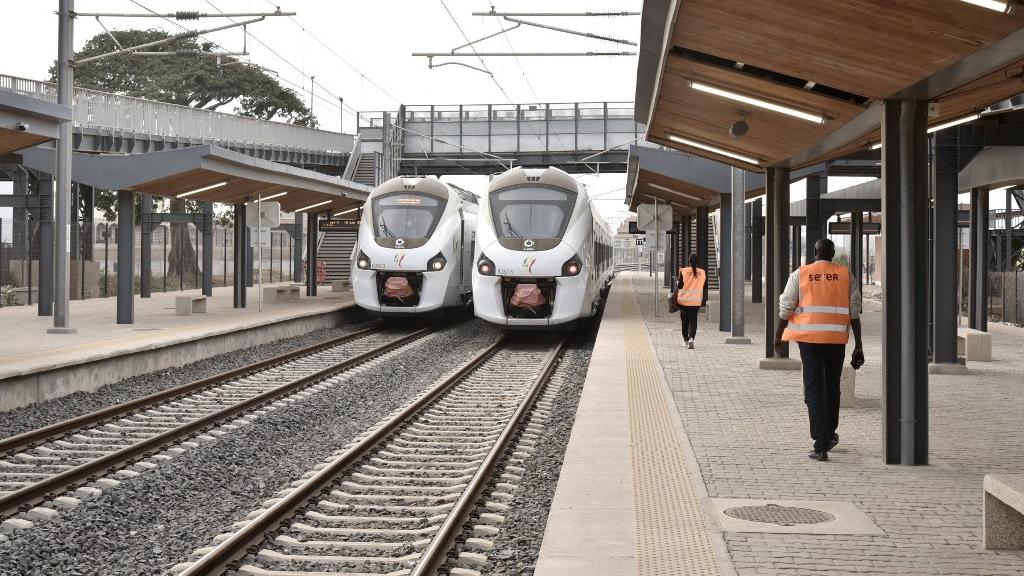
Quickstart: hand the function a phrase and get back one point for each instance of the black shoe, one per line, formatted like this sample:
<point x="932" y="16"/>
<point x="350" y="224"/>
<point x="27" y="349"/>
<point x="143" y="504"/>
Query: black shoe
<point x="832" y="444"/>
<point x="819" y="456"/>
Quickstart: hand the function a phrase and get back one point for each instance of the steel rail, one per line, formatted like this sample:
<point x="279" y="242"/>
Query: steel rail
<point x="30" y="438"/>
<point x="25" y="497"/>
<point x="220" y="559"/>
<point x="436" y="552"/>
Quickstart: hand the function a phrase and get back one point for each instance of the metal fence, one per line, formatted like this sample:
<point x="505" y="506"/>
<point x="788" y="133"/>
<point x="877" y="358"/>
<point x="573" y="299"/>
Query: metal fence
<point x="103" y="110"/>
<point x="1006" y="297"/>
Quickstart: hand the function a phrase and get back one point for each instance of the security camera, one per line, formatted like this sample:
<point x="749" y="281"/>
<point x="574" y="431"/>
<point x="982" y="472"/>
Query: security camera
<point x="739" y="129"/>
<point x="22" y="126"/>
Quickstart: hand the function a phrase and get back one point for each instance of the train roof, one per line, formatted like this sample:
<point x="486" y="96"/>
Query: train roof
<point x="550" y="176"/>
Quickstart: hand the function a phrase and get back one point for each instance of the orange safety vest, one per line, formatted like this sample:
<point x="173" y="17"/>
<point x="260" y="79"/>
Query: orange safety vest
<point x="691" y="293"/>
<point x="822" y="314"/>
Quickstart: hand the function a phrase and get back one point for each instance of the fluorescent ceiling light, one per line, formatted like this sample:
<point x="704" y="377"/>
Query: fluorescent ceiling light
<point x="676" y="192"/>
<point x="876" y="146"/>
<point x="952" y="123"/>
<point x="304" y="208"/>
<point x="203" y="189"/>
<point x="347" y="211"/>
<point x="990" y="4"/>
<point x="272" y="196"/>
<point x="757" y="102"/>
<point x="714" y="149"/>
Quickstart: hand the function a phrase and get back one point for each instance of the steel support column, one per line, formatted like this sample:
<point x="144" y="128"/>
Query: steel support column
<point x="748" y="240"/>
<point x="311" y="237"/>
<point x="240" y="254"/>
<point x="978" y="309"/>
<point x="297" y="249"/>
<point x="1008" y="230"/>
<point x="146" y="250"/>
<point x="945" y="268"/>
<point x="47" y="249"/>
<point x="777" y="257"/>
<point x="856" y="247"/>
<point x="738" y="255"/>
<point x="814" y="221"/>
<point x="702" y="238"/>
<point x="796" y="254"/>
<point x="756" y="246"/>
<point x="905" y="307"/>
<point x="208" y="249"/>
<point x="725" y="266"/>
<point x="125" y="257"/>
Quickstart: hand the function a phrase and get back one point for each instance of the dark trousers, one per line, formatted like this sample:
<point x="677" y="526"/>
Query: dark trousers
<point x="823" y="366"/>
<point x="688" y="314"/>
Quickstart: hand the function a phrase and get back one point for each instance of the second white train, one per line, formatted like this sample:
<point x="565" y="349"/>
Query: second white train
<point x="544" y="254"/>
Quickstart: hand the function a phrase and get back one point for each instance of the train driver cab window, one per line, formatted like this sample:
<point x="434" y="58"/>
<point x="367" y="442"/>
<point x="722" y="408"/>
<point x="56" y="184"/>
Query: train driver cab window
<point x="405" y="215"/>
<point x="531" y="212"/>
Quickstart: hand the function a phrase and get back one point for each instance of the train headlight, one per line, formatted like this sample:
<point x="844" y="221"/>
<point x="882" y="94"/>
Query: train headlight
<point x="363" y="261"/>
<point x="485" y="266"/>
<point x="436" y="263"/>
<point x="572" y="266"/>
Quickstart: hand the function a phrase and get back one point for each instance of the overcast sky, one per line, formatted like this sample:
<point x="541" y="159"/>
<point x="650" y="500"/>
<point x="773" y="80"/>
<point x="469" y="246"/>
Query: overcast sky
<point x="361" y="51"/>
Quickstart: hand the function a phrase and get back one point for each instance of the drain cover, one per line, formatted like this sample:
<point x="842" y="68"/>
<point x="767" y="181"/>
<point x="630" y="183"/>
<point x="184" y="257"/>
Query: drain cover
<point x="781" y="515"/>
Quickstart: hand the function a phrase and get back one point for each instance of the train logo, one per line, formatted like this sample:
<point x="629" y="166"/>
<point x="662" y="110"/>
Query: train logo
<point x="528" y="244"/>
<point x="399" y="242"/>
<point x="398" y="259"/>
<point x="528" y="263"/>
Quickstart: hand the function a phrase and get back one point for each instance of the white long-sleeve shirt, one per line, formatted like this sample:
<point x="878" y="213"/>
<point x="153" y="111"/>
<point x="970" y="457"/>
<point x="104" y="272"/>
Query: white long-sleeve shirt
<point x="791" y="297"/>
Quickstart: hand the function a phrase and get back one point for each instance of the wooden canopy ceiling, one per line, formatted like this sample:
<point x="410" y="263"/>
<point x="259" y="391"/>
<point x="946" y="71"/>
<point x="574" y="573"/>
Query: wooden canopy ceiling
<point x="27" y="121"/>
<point x="684" y="197"/>
<point x="836" y="59"/>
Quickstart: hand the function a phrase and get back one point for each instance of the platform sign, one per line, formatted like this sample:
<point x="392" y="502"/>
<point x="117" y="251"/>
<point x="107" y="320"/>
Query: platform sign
<point x="261" y="238"/>
<point x="844" y="228"/>
<point x="647" y="220"/>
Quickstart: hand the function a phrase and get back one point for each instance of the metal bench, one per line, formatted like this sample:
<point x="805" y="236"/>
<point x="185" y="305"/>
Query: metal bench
<point x="1004" y="512"/>
<point x="189" y="305"/>
<point x="974" y="345"/>
<point x="279" y="293"/>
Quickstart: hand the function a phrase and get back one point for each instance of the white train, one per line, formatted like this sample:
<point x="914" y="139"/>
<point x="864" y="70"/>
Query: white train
<point x="415" y="248"/>
<point x="544" y="254"/>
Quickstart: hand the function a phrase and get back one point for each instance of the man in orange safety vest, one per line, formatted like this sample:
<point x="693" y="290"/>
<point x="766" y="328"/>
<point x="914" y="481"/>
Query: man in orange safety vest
<point x="817" y="309"/>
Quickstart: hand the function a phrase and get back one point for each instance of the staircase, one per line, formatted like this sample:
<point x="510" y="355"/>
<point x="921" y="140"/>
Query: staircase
<point x="368" y="169"/>
<point x="336" y="250"/>
<point x="712" y="256"/>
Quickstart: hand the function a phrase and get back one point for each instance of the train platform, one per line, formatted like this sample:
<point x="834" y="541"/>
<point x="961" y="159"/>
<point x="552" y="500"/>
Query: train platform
<point x="35" y="365"/>
<point x="694" y="461"/>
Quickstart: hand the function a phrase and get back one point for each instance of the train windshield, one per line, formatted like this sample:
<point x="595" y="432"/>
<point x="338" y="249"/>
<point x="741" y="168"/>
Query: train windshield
<point x="531" y="212"/>
<point x="406" y="215"/>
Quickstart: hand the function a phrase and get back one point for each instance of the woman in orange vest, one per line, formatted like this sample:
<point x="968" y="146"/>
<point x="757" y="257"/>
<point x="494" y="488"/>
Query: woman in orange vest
<point x="692" y="294"/>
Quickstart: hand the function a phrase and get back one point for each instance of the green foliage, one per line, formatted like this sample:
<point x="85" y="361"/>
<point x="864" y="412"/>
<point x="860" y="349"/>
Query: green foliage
<point x="8" y="297"/>
<point x="189" y="80"/>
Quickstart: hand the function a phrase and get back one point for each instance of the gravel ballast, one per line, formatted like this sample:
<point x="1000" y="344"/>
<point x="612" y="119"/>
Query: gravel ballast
<point x="154" y="521"/>
<point x="33" y="416"/>
<point x="517" y="544"/>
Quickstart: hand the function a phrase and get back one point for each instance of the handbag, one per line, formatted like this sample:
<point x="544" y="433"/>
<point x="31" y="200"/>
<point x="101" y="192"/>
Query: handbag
<point x="673" y="302"/>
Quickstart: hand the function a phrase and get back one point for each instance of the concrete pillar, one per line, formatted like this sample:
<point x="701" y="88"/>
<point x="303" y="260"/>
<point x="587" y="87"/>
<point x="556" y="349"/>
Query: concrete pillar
<point x="146" y="253"/>
<point x="905" y="207"/>
<point x="978" y="306"/>
<point x="208" y="249"/>
<point x="44" y="189"/>
<point x="756" y="246"/>
<point x="945" y="268"/>
<point x="814" y="220"/>
<point x="240" y="256"/>
<point x="311" y="256"/>
<point x="297" y="249"/>
<point x="777" y="193"/>
<point x="725" y="267"/>
<point x="125" y="257"/>
<point x="738" y="255"/>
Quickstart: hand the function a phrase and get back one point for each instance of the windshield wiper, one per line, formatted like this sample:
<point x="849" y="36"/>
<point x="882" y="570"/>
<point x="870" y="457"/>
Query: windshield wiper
<point x="510" y="229"/>
<point x="384" y="228"/>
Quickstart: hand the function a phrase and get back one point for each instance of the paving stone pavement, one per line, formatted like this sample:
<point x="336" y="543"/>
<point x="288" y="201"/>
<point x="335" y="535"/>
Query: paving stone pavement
<point x="748" y="429"/>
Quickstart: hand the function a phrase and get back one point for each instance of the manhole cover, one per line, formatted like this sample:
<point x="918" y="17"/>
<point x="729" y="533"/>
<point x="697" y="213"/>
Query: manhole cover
<point x="781" y="515"/>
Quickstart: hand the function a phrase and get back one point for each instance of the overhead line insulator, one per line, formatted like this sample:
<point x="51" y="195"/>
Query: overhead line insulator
<point x="186" y="15"/>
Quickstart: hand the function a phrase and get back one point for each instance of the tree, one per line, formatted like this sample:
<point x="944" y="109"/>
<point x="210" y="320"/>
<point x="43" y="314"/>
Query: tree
<point x="194" y="80"/>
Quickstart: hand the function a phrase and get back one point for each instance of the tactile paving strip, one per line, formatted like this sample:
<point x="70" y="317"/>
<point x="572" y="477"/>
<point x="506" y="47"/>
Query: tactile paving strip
<point x="672" y="537"/>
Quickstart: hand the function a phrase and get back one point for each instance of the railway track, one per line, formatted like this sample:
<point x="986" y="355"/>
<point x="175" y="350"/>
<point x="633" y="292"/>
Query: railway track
<point x="39" y="465"/>
<point x="396" y="499"/>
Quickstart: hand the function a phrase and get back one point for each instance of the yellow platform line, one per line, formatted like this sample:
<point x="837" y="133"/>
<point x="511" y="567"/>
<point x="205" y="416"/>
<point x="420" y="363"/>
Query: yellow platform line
<point x="671" y="535"/>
